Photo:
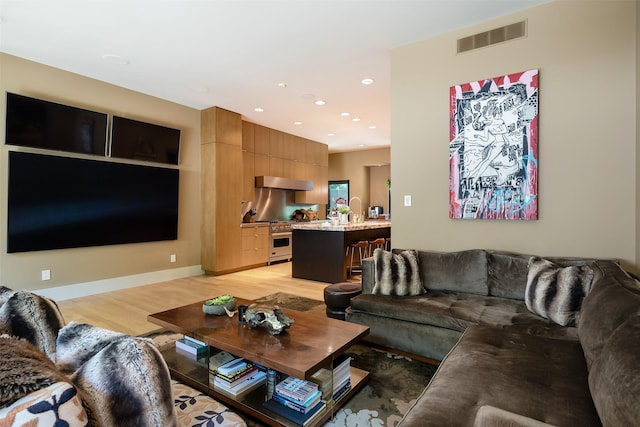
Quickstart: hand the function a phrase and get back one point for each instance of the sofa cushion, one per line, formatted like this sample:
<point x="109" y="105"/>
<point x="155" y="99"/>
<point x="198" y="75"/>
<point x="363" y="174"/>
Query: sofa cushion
<point x="23" y="369"/>
<point x="613" y="299"/>
<point x="464" y="271"/>
<point x="457" y="311"/>
<point x="397" y="273"/>
<point x="507" y="274"/>
<point x="32" y="317"/>
<point x="556" y="292"/>
<point x="56" y="405"/>
<point x="614" y="379"/>
<point x="104" y="364"/>
<point x="490" y="416"/>
<point x="540" y="378"/>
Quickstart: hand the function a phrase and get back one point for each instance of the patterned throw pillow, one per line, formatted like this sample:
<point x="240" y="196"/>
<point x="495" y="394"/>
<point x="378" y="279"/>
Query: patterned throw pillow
<point x="56" y="405"/>
<point x="197" y="409"/>
<point x="556" y="292"/>
<point x="397" y="274"/>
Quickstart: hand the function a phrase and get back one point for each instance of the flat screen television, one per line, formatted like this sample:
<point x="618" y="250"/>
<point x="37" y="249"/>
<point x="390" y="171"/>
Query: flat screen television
<point x="132" y="139"/>
<point x="60" y="202"/>
<point x="32" y="122"/>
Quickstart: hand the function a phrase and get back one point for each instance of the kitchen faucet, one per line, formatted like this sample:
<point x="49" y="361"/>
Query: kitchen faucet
<point x="355" y="215"/>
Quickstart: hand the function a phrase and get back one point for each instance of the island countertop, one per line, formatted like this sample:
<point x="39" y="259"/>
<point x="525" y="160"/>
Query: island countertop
<point x="326" y="226"/>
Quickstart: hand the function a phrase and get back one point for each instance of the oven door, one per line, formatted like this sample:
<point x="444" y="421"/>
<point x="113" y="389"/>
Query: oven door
<point x="280" y="246"/>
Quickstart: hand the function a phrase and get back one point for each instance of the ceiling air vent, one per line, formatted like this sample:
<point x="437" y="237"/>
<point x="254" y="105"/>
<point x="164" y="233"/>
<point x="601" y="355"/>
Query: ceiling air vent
<point x="497" y="35"/>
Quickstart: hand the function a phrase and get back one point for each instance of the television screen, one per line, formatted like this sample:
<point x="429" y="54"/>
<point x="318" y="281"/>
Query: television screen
<point x="131" y="139"/>
<point x="61" y="202"/>
<point x="37" y="123"/>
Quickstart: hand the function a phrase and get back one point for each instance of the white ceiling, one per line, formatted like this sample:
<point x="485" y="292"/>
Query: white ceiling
<point x="233" y="54"/>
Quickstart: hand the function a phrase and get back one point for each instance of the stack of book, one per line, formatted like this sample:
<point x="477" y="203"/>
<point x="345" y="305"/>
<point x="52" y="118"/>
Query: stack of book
<point x="341" y="377"/>
<point x="297" y="400"/>
<point x="192" y="348"/>
<point x="236" y="377"/>
<point x="324" y="378"/>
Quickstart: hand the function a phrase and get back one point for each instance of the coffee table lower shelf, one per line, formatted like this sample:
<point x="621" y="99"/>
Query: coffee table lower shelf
<point x="196" y="374"/>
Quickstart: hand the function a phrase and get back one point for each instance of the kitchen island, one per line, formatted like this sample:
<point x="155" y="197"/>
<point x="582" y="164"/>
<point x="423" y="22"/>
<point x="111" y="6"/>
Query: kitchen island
<point x="319" y="248"/>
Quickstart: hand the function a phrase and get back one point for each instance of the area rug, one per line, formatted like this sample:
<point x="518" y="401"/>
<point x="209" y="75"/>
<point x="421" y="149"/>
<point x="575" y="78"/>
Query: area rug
<point x="290" y="301"/>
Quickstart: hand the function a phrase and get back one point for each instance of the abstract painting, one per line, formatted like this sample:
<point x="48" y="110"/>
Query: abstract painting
<point x="493" y="148"/>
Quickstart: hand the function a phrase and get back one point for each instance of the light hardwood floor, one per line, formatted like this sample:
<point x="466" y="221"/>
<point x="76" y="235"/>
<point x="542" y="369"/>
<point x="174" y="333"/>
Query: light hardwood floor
<point x="126" y="310"/>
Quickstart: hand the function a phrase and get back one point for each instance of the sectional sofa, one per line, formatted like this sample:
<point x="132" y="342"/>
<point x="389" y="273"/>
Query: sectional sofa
<point x="524" y="340"/>
<point x="55" y="374"/>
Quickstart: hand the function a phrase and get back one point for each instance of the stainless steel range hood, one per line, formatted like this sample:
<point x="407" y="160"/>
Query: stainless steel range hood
<point x="283" y="183"/>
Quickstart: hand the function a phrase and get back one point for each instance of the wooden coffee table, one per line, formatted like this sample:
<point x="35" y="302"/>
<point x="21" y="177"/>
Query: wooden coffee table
<point x="312" y="342"/>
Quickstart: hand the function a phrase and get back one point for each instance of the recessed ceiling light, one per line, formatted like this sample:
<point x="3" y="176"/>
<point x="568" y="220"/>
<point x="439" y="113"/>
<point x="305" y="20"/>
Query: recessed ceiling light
<point x="355" y="119"/>
<point x="368" y="81"/>
<point x="345" y="114"/>
<point x="331" y="134"/>
<point x="320" y="102"/>
<point x="258" y="110"/>
<point x="297" y="123"/>
<point x="282" y="85"/>
<point x="372" y="127"/>
<point x="361" y="145"/>
<point x="115" y="59"/>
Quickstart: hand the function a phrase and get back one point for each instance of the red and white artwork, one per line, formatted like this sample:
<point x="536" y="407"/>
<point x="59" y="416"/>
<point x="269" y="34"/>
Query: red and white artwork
<point x="493" y="148"/>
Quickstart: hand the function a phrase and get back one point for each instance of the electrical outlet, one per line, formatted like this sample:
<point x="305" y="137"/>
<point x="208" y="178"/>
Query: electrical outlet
<point x="46" y="274"/>
<point x="407" y="200"/>
<point x="172" y="258"/>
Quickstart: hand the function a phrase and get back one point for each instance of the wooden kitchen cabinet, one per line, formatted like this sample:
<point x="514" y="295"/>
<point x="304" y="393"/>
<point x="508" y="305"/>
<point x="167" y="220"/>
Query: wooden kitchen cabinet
<point x="261" y="140"/>
<point x="248" y="176"/>
<point x="276" y="143"/>
<point x="248" y="131"/>
<point x="221" y="185"/>
<point x="255" y="245"/>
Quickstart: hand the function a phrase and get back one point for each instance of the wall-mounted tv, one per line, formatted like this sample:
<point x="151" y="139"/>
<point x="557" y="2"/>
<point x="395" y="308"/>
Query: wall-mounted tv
<point x="37" y="123"/>
<point x="60" y="202"/>
<point x="132" y="139"/>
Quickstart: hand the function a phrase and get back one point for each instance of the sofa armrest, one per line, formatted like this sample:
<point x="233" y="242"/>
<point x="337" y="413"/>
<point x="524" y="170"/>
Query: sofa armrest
<point x="368" y="276"/>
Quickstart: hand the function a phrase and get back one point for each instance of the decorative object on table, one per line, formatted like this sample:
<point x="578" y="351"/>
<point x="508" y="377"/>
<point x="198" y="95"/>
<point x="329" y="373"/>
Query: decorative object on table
<point x="493" y="148"/>
<point x="270" y="318"/>
<point x="219" y="305"/>
<point x="343" y="214"/>
<point x="242" y="310"/>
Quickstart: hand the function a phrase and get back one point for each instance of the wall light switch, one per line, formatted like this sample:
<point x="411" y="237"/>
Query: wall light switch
<point x="407" y="200"/>
<point x="46" y="274"/>
<point x="172" y="258"/>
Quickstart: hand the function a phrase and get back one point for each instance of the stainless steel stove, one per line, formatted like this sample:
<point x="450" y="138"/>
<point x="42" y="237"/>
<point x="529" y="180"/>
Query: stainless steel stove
<point x="281" y="242"/>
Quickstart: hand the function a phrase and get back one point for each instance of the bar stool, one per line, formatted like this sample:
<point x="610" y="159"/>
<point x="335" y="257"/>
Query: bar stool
<point x="387" y="243"/>
<point x="375" y="244"/>
<point x="362" y="247"/>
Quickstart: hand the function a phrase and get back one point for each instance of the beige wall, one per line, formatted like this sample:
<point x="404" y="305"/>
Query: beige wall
<point x="74" y="266"/>
<point x="356" y="167"/>
<point x="586" y="55"/>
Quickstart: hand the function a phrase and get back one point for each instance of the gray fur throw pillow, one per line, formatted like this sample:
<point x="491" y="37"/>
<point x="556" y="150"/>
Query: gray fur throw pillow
<point x="35" y="318"/>
<point x="397" y="274"/>
<point x="555" y="292"/>
<point x="125" y="378"/>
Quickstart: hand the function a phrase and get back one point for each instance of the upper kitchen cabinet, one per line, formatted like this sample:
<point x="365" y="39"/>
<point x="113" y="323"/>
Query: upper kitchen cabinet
<point x="276" y="143"/>
<point x="221" y="185"/>
<point x="248" y="140"/>
<point x="261" y="140"/>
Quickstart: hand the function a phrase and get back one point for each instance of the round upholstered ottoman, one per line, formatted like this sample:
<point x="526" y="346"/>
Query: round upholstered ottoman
<point x="338" y="296"/>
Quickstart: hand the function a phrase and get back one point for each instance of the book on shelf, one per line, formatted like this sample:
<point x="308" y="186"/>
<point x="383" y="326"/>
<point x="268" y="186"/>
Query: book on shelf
<point x="194" y="341"/>
<point x="218" y="359"/>
<point x="188" y="347"/>
<point x="233" y="367"/>
<point x="300" y="407"/>
<point x="342" y="391"/>
<point x="253" y="381"/>
<point x="292" y="415"/>
<point x="341" y="372"/>
<point x="219" y="379"/>
<point x="296" y="389"/>
<point x="324" y="378"/>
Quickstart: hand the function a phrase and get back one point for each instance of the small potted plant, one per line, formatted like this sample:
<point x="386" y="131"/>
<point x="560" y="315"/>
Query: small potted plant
<point x="343" y="213"/>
